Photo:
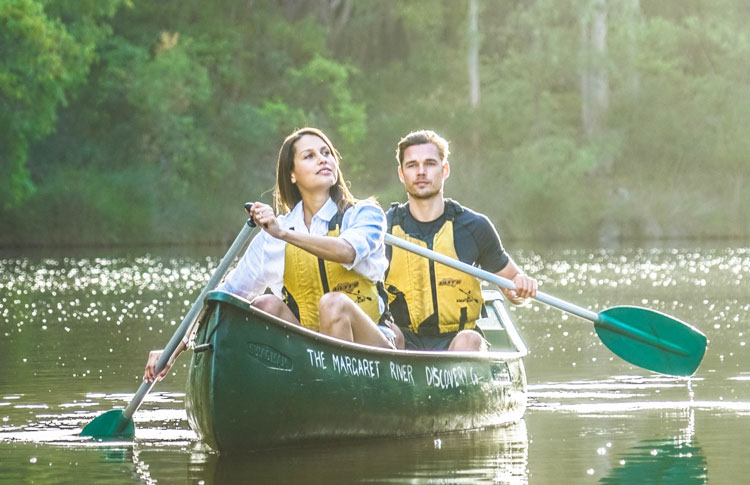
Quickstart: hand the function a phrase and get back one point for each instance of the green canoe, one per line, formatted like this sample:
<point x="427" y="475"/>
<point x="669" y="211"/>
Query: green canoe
<point x="258" y="382"/>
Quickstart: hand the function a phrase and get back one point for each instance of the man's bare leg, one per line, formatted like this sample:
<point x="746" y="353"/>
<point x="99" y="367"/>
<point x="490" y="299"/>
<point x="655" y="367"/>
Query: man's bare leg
<point x="468" y="340"/>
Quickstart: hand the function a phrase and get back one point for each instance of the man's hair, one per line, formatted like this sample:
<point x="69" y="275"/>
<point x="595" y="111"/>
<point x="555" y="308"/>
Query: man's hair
<point x="420" y="138"/>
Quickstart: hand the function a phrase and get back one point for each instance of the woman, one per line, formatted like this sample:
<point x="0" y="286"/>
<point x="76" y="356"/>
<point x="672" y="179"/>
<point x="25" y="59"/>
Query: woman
<point x="323" y="260"/>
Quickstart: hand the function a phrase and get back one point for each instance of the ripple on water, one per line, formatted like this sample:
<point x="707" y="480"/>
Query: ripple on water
<point x="626" y="394"/>
<point x="165" y="424"/>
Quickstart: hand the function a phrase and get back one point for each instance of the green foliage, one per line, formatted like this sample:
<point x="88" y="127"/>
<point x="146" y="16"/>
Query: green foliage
<point x="154" y="121"/>
<point x="43" y="58"/>
<point x="320" y="89"/>
<point x="33" y="78"/>
<point x="99" y="208"/>
<point x="169" y="94"/>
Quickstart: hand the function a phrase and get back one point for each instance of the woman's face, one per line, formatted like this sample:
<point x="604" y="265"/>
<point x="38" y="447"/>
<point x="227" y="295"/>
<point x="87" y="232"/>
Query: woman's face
<point x="315" y="167"/>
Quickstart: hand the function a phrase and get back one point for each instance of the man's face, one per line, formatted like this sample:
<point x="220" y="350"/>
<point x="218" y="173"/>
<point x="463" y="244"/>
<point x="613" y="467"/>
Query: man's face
<point x="422" y="172"/>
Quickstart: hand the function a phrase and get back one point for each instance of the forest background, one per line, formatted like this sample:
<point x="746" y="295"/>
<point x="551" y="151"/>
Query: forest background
<point x="148" y="122"/>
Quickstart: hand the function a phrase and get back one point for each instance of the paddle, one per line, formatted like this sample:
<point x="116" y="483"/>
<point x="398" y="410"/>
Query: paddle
<point x="118" y="423"/>
<point x="643" y="337"/>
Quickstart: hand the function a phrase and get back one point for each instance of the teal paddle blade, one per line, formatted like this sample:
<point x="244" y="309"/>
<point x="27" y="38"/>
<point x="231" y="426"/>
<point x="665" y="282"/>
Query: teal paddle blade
<point x="109" y="425"/>
<point x="652" y="340"/>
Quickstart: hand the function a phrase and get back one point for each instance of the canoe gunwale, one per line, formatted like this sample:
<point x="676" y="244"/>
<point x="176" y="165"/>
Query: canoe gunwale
<point x="217" y="296"/>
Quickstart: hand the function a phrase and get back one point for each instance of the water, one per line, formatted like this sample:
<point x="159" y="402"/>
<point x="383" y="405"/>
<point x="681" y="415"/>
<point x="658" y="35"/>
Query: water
<point x="75" y="329"/>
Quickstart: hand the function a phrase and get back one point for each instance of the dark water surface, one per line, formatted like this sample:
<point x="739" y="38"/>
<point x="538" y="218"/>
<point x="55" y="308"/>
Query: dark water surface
<point x="75" y="329"/>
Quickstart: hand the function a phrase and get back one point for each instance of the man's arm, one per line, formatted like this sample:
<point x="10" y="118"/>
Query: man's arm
<point x="526" y="286"/>
<point x="493" y="255"/>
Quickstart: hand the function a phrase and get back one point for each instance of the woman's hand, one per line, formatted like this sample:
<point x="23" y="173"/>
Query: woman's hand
<point x="150" y="374"/>
<point x="264" y="217"/>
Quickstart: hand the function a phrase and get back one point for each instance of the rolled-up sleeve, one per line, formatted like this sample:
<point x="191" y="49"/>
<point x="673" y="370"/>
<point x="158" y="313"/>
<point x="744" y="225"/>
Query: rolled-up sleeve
<point x="247" y="279"/>
<point x="363" y="227"/>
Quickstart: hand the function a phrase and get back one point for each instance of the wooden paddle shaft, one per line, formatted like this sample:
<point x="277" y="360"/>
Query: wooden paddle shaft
<point x="489" y="277"/>
<point x="234" y="250"/>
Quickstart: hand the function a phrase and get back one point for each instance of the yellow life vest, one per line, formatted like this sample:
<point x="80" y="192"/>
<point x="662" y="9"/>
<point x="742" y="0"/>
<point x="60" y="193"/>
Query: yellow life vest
<point x="307" y="278"/>
<point x="428" y="298"/>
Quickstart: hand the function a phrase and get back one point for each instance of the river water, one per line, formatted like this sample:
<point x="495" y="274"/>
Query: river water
<point x="75" y="329"/>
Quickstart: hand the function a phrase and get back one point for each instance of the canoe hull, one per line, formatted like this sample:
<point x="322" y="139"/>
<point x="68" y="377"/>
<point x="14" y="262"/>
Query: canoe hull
<point x="266" y="383"/>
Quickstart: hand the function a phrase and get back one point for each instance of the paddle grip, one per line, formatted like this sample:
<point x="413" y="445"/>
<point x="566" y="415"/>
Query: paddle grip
<point x="248" y="208"/>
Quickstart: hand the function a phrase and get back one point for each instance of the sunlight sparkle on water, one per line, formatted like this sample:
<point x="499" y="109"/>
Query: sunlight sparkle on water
<point x="120" y="304"/>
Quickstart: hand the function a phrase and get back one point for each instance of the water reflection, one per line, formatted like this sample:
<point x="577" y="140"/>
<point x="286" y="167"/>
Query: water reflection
<point x="614" y="411"/>
<point x="665" y="462"/>
<point x="166" y="452"/>
<point x="678" y="460"/>
<point x="489" y="456"/>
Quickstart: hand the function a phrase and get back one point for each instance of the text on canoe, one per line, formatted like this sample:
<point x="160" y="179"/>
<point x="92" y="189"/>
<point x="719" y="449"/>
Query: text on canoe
<point x="438" y="377"/>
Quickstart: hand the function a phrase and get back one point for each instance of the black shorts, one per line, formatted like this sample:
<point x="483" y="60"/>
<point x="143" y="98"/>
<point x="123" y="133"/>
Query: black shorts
<point x="412" y="341"/>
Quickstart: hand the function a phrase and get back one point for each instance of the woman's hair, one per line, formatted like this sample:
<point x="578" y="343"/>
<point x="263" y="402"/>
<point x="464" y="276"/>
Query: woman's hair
<point x="286" y="194"/>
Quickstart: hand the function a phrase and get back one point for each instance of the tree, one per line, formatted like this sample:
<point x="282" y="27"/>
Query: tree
<point x="41" y="62"/>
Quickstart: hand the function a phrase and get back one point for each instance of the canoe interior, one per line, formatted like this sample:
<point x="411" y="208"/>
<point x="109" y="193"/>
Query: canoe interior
<point x="265" y="383"/>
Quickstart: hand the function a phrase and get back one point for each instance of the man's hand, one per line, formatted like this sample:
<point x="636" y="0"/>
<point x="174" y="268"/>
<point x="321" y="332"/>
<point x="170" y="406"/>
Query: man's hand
<point x="526" y="287"/>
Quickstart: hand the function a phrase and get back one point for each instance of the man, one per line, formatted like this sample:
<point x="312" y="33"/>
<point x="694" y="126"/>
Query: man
<point x="436" y="307"/>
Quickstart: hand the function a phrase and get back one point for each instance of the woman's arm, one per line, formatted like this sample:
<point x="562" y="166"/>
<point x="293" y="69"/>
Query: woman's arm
<point x="356" y="241"/>
<point x="153" y="357"/>
<point x="330" y="248"/>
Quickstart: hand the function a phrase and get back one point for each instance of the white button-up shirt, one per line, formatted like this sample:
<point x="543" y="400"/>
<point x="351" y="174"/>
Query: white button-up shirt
<point x="262" y="266"/>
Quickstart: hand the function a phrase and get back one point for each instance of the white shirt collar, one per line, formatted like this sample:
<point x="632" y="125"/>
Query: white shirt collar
<point x="325" y="213"/>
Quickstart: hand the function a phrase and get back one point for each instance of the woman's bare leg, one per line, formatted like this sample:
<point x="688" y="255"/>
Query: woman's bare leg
<point x="340" y="317"/>
<point x="275" y="306"/>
